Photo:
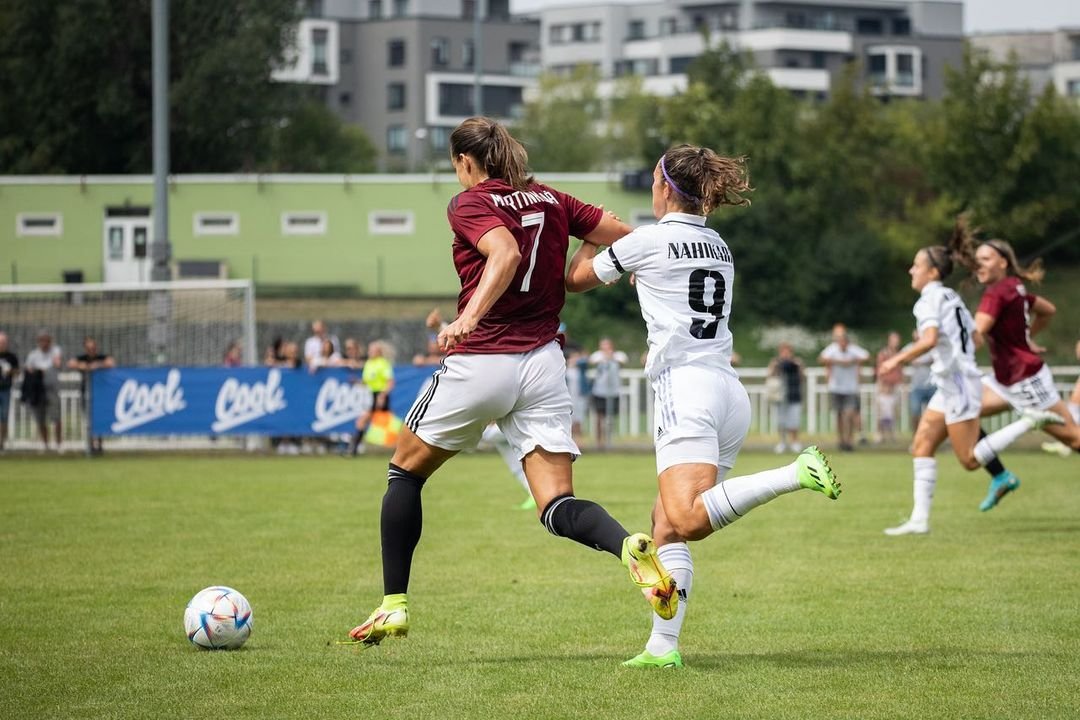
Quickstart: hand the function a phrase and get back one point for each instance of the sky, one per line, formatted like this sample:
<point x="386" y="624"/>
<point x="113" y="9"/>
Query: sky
<point x="979" y="15"/>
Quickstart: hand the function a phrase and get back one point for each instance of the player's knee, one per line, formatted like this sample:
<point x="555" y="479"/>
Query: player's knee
<point x="690" y="525"/>
<point x="970" y="462"/>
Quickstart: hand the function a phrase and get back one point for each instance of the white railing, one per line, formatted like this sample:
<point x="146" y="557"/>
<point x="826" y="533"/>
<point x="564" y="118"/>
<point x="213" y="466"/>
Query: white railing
<point x="635" y="420"/>
<point x="636" y="403"/>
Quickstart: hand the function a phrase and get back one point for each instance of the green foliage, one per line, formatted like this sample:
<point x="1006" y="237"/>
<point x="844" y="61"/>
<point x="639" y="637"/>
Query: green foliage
<point x="560" y="129"/>
<point x="801" y="610"/>
<point x="847" y="189"/>
<point x="75" y="85"/>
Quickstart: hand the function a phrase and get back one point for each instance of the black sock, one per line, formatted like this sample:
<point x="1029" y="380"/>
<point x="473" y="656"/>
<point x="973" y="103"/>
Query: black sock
<point x="402" y="521"/>
<point x="994" y="467"/>
<point x="357" y="438"/>
<point x="585" y="522"/>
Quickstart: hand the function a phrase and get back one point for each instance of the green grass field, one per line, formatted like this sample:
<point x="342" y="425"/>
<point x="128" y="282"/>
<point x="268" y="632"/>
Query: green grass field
<point x="801" y="610"/>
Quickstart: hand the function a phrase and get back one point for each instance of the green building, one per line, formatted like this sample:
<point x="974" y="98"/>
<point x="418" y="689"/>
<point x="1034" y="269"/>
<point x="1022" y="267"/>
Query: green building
<point x="376" y="235"/>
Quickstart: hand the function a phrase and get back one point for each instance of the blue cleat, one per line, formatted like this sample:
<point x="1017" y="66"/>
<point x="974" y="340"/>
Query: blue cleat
<point x="1002" y="484"/>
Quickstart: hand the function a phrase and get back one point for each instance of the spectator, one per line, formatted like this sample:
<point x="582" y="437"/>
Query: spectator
<point x="273" y="355"/>
<point x="313" y="345"/>
<point x="91" y="359"/>
<point x="41" y="386"/>
<point x="290" y="356"/>
<point x="577" y="381"/>
<point x="888" y="389"/>
<point x="922" y="387"/>
<point x="379" y="377"/>
<point x="788" y="370"/>
<point x="234" y="355"/>
<point x="326" y="357"/>
<point x="605" y="388"/>
<point x="354" y="355"/>
<point x="9" y="368"/>
<point x="842" y="360"/>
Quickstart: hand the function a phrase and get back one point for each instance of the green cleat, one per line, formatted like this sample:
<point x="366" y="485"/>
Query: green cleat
<point x="668" y="660"/>
<point x="815" y="474"/>
<point x="528" y="503"/>
<point x="648" y="573"/>
<point x="382" y="623"/>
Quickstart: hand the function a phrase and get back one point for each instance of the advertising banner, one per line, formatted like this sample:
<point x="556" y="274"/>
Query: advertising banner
<point x="239" y="401"/>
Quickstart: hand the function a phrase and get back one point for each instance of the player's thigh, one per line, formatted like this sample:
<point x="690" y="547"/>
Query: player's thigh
<point x="466" y="393"/>
<point x="418" y="457"/>
<point x="930" y="433"/>
<point x="1069" y="433"/>
<point x="540" y="416"/>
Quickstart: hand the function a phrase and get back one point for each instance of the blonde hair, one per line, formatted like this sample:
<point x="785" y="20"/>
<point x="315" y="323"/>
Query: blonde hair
<point x="494" y="149"/>
<point x="963" y="244"/>
<point x="703" y="180"/>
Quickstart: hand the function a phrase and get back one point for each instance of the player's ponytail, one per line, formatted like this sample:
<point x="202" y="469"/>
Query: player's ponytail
<point x="703" y="180"/>
<point x="493" y="149"/>
<point x="961" y="246"/>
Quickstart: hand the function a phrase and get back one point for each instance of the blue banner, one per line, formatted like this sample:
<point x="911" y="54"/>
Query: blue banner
<point x="238" y="401"/>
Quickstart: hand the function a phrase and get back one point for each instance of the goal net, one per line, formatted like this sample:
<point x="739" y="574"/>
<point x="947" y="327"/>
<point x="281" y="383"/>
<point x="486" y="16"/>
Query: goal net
<point x="181" y="323"/>
<point x="176" y="323"/>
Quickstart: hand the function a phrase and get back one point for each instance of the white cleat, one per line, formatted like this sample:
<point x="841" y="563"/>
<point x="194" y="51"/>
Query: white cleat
<point x="1041" y="418"/>
<point x="1057" y="448"/>
<point x="911" y="527"/>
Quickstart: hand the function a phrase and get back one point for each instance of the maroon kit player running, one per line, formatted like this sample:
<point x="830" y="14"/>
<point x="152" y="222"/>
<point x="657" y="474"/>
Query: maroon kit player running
<point x="505" y="364"/>
<point x="1009" y="315"/>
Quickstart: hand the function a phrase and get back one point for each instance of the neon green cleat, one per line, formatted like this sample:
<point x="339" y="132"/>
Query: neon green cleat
<point x="648" y="573"/>
<point x="383" y="622"/>
<point x="815" y="474"/>
<point x="528" y="503"/>
<point x="668" y="660"/>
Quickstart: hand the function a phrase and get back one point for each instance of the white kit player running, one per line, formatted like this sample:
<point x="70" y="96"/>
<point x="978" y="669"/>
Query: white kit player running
<point x="684" y="276"/>
<point x="947" y="329"/>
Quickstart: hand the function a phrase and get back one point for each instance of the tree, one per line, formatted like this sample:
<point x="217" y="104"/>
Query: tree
<point x="560" y="127"/>
<point x="75" y="85"/>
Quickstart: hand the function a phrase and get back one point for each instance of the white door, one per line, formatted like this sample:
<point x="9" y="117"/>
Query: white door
<point x="127" y="249"/>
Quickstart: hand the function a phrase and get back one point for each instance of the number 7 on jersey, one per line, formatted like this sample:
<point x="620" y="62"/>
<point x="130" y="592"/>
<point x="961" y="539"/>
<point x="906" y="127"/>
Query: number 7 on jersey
<point x="530" y="220"/>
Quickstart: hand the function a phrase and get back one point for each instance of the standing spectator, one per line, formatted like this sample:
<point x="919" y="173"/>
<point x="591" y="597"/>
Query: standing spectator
<point x="234" y="355"/>
<point x="888" y="389"/>
<point x="91" y="359"/>
<point x="354" y="355"/>
<point x="379" y="377"/>
<point x="922" y="386"/>
<point x="314" y="344"/>
<point x="9" y="368"/>
<point x="41" y="386"/>
<point x="605" y="388"/>
<point x="788" y="369"/>
<point x="842" y="360"/>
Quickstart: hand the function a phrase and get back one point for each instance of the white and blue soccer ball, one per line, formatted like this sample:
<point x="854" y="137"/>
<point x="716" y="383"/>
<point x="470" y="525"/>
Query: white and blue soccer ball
<point x="218" y="618"/>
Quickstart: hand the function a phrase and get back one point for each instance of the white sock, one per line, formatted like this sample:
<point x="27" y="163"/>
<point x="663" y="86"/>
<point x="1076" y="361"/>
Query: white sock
<point x="509" y="456"/>
<point x="665" y="633"/>
<point x="729" y="500"/>
<point x="988" y="448"/>
<point x="925" y="479"/>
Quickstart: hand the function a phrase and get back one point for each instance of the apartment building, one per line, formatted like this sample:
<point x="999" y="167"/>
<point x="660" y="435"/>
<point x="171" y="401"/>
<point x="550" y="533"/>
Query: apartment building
<point x="802" y="45"/>
<point x="1046" y="58"/>
<point x="406" y="70"/>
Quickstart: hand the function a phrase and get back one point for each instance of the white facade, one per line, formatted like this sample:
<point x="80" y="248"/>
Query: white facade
<point x="314" y="56"/>
<point x="1051" y="57"/>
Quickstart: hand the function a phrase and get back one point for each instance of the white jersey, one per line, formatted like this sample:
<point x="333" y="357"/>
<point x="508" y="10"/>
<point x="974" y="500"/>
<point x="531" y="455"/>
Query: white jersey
<point x="684" y="275"/>
<point x="941" y="308"/>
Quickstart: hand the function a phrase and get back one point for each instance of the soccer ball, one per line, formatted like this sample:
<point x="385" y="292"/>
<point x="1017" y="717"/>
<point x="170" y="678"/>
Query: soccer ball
<point x="218" y="618"/>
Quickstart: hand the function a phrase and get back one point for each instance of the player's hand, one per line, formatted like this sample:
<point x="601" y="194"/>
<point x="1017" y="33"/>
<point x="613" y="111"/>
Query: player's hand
<point x="455" y="333"/>
<point x="1036" y="347"/>
<point x="610" y="214"/>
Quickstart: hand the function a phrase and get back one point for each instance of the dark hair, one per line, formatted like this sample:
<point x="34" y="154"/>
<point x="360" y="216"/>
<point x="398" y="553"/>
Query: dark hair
<point x="703" y="180"/>
<point x="494" y="149"/>
<point x="964" y="243"/>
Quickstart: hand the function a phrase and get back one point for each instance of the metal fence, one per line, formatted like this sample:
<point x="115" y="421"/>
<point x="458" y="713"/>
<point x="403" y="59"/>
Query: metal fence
<point x="633" y="424"/>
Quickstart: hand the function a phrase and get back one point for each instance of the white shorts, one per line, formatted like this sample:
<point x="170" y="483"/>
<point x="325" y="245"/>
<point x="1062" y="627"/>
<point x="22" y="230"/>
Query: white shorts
<point x="525" y="394"/>
<point x="702" y="416"/>
<point x="958" y="398"/>
<point x="1037" y="392"/>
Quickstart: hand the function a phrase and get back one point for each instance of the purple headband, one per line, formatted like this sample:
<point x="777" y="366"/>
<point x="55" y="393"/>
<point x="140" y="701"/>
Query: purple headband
<point x="663" y="169"/>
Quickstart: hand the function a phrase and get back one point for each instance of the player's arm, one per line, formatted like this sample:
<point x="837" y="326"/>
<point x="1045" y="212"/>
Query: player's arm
<point x="580" y="275"/>
<point x="1043" y="310"/>
<point x="926" y="342"/>
<point x="607" y="231"/>
<point x="502" y="259"/>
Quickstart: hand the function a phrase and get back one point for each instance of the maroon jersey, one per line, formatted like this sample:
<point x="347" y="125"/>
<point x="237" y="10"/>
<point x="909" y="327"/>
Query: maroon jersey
<point x="541" y="219"/>
<point x="1008" y="302"/>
